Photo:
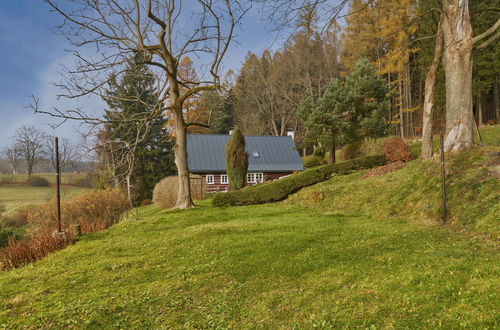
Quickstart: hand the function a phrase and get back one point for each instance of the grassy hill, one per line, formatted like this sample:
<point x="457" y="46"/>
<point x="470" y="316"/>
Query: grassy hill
<point x="350" y="252"/>
<point x="414" y="192"/>
<point x="259" y="266"/>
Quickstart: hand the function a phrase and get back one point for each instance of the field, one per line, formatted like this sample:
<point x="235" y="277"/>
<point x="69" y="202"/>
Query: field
<point x="14" y="196"/>
<point x="66" y="178"/>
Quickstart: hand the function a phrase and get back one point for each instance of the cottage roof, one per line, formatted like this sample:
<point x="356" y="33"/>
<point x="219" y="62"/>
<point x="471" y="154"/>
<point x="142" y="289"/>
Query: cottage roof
<point x="207" y="153"/>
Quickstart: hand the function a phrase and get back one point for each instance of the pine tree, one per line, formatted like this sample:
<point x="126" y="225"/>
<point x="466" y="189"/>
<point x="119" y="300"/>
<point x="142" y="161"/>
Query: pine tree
<point x="236" y="160"/>
<point x="133" y="97"/>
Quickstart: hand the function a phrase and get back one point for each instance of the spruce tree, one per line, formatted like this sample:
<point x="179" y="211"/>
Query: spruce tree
<point x="236" y="160"/>
<point x="133" y="97"/>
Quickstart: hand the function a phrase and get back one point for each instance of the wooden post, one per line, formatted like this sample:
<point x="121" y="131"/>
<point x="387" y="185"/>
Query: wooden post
<point x="58" y="184"/>
<point x="443" y="179"/>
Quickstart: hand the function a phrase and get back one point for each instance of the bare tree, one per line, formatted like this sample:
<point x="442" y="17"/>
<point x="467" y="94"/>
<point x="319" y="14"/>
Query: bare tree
<point x="152" y="32"/>
<point x="68" y="152"/>
<point x="430" y="87"/>
<point x="14" y="157"/>
<point x="457" y="60"/>
<point x="30" y="142"/>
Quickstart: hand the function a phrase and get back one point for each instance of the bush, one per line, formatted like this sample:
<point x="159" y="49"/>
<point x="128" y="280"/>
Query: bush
<point x="146" y="202"/>
<point x="280" y="189"/>
<point x="165" y="192"/>
<point x="312" y="161"/>
<point x="396" y="150"/>
<point x="89" y="212"/>
<point x="5" y="235"/>
<point x="38" y="181"/>
<point x="86" y="181"/>
<point x="351" y="151"/>
<point x="93" y="210"/>
<point x="319" y="152"/>
<point x="19" y="219"/>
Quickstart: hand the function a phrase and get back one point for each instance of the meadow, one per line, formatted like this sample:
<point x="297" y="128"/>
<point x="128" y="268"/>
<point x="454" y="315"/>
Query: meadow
<point x="266" y="266"/>
<point x="16" y="196"/>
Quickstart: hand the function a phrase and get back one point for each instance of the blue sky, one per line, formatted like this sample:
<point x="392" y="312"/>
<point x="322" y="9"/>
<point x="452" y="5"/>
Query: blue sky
<point x="32" y="53"/>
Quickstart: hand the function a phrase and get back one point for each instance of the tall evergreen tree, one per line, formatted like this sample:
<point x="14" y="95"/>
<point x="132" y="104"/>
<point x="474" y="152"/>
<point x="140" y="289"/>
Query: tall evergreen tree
<point x="236" y="160"/>
<point x="151" y="159"/>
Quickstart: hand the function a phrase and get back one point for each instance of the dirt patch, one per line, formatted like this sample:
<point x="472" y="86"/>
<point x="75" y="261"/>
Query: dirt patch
<point x="493" y="164"/>
<point x="382" y="170"/>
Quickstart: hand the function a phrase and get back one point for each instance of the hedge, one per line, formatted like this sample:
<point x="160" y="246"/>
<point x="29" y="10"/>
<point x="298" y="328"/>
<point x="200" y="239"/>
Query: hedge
<point x="280" y="189"/>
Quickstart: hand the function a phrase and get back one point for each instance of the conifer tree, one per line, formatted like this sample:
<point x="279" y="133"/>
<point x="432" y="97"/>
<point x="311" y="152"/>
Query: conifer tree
<point x="236" y="160"/>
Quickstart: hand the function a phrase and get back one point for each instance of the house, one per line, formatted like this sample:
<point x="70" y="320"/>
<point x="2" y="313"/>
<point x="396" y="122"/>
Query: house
<point x="269" y="158"/>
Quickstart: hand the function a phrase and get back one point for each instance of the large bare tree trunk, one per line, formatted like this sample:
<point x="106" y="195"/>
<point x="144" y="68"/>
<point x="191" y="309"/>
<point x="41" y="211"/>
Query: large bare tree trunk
<point x="496" y="99"/>
<point x="184" y="199"/>
<point x="430" y="87"/>
<point x="457" y="60"/>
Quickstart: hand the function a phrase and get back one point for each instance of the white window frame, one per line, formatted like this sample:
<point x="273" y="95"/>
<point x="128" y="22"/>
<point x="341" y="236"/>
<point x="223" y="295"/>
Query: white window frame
<point x="224" y="179"/>
<point x="255" y="177"/>
<point x="210" y="179"/>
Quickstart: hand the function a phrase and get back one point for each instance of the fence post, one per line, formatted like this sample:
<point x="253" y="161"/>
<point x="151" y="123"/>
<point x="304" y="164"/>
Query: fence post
<point x="443" y="179"/>
<point x="58" y="189"/>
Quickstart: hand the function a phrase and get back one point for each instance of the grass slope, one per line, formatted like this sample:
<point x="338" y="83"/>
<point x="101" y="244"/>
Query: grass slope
<point x="414" y="192"/>
<point x="265" y="266"/>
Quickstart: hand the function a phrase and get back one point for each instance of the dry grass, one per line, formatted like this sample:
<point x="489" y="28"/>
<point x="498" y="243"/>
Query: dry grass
<point x="166" y="191"/>
<point x="90" y="212"/>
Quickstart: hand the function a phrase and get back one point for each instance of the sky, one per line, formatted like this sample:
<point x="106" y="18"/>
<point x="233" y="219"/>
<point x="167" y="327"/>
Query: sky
<point x="31" y="57"/>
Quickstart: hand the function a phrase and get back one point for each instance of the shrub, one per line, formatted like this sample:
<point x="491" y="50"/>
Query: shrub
<point x="87" y="213"/>
<point x="319" y="152"/>
<point x="19" y="219"/>
<point x="312" y="161"/>
<point x="146" y="202"/>
<point x="5" y="235"/>
<point x="280" y="189"/>
<point x="38" y="181"/>
<point x="165" y="192"/>
<point x="92" y="210"/>
<point x="86" y="181"/>
<point x="236" y="160"/>
<point x="396" y="150"/>
<point x="351" y="151"/>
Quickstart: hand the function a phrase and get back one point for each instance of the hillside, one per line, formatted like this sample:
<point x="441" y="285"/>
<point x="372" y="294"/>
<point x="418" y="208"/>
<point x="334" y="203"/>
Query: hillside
<point x="258" y="266"/>
<point x="414" y="192"/>
<point x="349" y="252"/>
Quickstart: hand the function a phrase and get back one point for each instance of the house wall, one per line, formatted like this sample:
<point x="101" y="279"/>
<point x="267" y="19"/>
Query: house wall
<point x="217" y="186"/>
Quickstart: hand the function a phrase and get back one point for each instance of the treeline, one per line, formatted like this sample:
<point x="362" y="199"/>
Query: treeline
<point x="330" y="85"/>
<point x="396" y="37"/>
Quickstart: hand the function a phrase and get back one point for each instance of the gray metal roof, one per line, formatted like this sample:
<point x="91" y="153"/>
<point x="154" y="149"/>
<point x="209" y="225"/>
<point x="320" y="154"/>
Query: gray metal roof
<point x="207" y="153"/>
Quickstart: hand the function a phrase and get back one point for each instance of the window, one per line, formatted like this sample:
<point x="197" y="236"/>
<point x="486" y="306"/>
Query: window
<point x="209" y="179"/>
<point x="256" y="154"/>
<point x="223" y="179"/>
<point x="255" y="177"/>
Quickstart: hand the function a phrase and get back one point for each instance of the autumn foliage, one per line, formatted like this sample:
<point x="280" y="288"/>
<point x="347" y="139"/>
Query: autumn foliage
<point x="396" y="150"/>
<point x="90" y="212"/>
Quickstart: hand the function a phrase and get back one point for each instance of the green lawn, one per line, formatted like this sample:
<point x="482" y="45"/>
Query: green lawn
<point x="266" y="266"/>
<point x="13" y="197"/>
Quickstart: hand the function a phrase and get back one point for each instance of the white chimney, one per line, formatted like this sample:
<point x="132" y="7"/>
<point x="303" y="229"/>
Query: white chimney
<point x="291" y="133"/>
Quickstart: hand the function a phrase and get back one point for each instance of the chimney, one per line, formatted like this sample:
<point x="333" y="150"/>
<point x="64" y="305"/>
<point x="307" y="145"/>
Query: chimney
<point x="291" y="133"/>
